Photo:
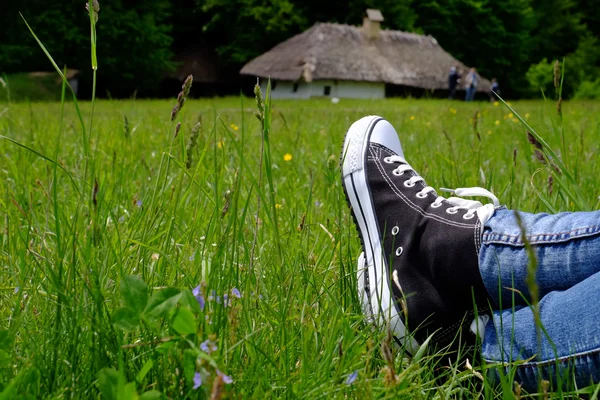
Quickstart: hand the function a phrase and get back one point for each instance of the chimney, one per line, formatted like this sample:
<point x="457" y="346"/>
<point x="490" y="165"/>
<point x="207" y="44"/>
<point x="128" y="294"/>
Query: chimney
<point x="372" y="23"/>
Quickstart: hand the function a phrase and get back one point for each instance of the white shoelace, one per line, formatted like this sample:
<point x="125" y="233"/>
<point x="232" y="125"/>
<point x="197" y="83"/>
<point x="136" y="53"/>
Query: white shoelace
<point x="484" y="212"/>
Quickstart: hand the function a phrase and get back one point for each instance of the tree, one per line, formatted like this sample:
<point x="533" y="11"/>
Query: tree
<point x="492" y="36"/>
<point x="244" y="29"/>
<point x="133" y="40"/>
<point x="557" y="29"/>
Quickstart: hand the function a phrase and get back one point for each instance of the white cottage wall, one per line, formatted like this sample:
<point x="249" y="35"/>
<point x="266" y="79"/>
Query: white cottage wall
<point x="286" y="89"/>
<point x="341" y="89"/>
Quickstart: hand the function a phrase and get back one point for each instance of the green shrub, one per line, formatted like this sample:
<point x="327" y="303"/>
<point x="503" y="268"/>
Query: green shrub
<point x="540" y="77"/>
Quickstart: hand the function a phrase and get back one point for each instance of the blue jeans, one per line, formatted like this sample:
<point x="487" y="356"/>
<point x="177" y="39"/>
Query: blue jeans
<point x="470" y="95"/>
<point x="567" y="248"/>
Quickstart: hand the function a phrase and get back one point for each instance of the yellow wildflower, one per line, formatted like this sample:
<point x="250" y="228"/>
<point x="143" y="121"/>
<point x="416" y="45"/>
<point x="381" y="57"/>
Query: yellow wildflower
<point x="220" y="144"/>
<point x="496" y="104"/>
<point x="234" y="127"/>
<point x="510" y="115"/>
<point x="412" y="117"/>
<point x="287" y="157"/>
<point x="526" y="115"/>
<point x="278" y="206"/>
<point x="497" y="122"/>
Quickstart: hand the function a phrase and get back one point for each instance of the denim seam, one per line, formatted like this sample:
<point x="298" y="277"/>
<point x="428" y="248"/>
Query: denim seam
<point x="542" y="238"/>
<point x="563" y="359"/>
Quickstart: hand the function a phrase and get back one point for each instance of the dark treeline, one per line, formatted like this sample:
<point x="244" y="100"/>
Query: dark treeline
<point x="515" y="41"/>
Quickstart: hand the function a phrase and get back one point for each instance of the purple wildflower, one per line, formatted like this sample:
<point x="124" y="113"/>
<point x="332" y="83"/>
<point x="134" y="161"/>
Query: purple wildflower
<point x="351" y="378"/>
<point x="218" y="299"/>
<point x="226" y="378"/>
<point x="236" y="293"/>
<point x="138" y="203"/>
<point x="17" y="289"/>
<point x="197" y="380"/>
<point x="199" y="298"/>
<point x="192" y="257"/>
<point x="208" y="346"/>
<point x="225" y="300"/>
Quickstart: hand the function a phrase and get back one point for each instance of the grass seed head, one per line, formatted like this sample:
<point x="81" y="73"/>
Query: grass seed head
<point x="174" y="112"/>
<point x="260" y="114"/>
<point x="192" y="143"/>
<point x="540" y="157"/>
<point x="187" y="85"/>
<point x="533" y="140"/>
<point x="177" y="128"/>
<point x="182" y="96"/>
<point x="95" y="9"/>
<point x="556" y="74"/>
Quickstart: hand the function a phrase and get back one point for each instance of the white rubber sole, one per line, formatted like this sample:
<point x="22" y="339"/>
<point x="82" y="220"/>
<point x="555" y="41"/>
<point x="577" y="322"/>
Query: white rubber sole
<point x="373" y="272"/>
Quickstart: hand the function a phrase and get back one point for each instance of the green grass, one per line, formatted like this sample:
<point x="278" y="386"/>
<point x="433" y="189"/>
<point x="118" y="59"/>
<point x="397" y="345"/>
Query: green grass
<point x="24" y="87"/>
<point x="72" y="229"/>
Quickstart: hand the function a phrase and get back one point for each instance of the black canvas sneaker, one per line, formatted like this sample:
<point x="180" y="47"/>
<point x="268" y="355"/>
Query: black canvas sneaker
<point x="419" y="271"/>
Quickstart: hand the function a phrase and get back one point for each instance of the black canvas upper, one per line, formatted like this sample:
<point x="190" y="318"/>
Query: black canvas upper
<point x="438" y="263"/>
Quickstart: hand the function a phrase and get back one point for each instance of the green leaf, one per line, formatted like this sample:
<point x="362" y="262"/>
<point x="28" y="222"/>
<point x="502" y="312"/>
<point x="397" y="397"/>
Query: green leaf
<point x="129" y="392"/>
<point x="6" y="340"/>
<point x="162" y="303"/>
<point x="152" y="395"/>
<point x="126" y="319"/>
<point x="164" y="348"/>
<point x="188" y="299"/>
<point x="4" y="358"/>
<point x="144" y="371"/>
<point x="189" y="365"/>
<point x="134" y="292"/>
<point x="108" y="383"/>
<point x="184" y="322"/>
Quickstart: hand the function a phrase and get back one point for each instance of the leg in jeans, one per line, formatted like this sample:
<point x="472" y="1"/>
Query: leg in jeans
<point x="427" y="258"/>
<point x="567" y="247"/>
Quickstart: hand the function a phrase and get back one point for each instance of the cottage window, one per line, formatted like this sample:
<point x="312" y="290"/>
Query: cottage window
<point x="295" y="88"/>
<point x="327" y="90"/>
<point x="273" y="85"/>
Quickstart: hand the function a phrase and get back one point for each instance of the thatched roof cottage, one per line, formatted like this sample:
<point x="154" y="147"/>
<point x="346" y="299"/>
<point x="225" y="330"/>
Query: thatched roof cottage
<point x="335" y="60"/>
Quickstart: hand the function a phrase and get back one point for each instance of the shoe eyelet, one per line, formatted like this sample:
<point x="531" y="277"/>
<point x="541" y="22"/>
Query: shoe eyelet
<point x="397" y="172"/>
<point x="399" y="251"/>
<point x="468" y="215"/>
<point x="421" y="195"/>
<point x="436" y="205"/>
<point x="395" y="230"/>
<point x="451" y="210"/>
<point x="388" y="160"/>
<point x="409" y="184"/>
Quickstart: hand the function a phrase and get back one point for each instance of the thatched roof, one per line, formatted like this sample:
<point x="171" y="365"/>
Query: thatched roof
<point x="345" y="52"/>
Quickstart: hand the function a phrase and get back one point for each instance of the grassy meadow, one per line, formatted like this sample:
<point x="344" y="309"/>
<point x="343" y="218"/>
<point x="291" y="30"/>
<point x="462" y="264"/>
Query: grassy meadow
<point x="219" y="262"/>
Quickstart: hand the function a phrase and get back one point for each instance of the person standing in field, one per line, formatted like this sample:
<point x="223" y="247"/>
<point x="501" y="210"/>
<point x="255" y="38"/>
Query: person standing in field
<point x="495" y="90"/>
<point x="453" y="80"/>
<point x="471" y="82"/>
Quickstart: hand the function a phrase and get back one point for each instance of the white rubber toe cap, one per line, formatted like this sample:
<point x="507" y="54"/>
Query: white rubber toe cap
<point x="385" y="134"/>
<point x="372" y="129"/>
